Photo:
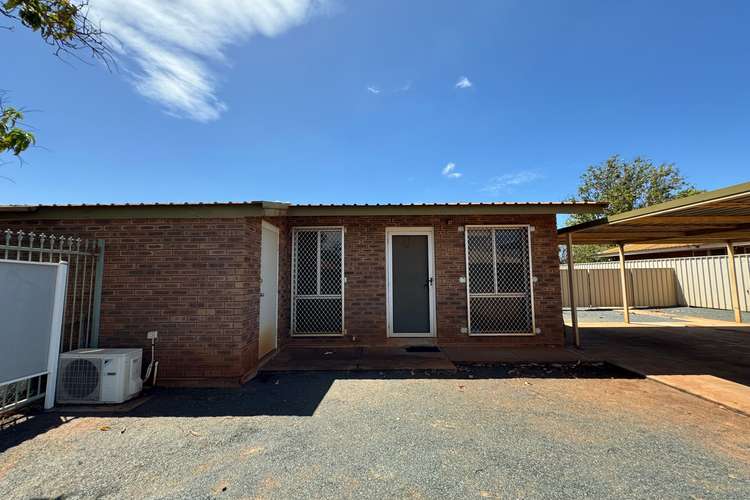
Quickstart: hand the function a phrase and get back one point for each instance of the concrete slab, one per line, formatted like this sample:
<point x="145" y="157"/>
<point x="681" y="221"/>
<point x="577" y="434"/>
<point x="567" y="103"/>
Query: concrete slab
<point x="669" y="316"/>
<point x="712" y="363"/>
<point x="690" y="320"/>
<point x="470" y="354"/>
<point x="125" y="407"/>
<point x="314" y="358"/>
<point x="717" y="390"/>
<point x="355" y="358"/>
<point x="708" y="362"/>
<point x="632" y="324"/>
<point x="397" y="358"/>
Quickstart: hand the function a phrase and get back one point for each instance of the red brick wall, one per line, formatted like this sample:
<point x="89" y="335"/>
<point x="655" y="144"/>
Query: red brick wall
<point x="365" y="297"/>
<point x="196" y="281"/>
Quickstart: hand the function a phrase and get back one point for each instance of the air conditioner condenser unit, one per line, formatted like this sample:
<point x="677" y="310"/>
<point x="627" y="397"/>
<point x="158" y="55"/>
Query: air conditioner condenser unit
<point x="99" y="375"/>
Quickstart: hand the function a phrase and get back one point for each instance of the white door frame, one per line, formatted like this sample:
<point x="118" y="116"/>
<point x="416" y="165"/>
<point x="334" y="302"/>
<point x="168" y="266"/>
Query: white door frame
<point x="272" y="228"/>
<point x="409" y="231"/>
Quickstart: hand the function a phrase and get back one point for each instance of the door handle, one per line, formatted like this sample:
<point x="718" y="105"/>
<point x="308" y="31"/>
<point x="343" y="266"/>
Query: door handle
<point x="429" y="282"/>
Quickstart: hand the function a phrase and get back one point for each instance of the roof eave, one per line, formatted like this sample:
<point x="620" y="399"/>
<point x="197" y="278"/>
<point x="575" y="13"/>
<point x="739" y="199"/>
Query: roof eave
<point x="272" y="208"/>
<point x="447" y="209"/>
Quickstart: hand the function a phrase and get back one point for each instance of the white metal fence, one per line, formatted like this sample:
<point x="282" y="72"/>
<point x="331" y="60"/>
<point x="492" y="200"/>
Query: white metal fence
<point x="685" y="281"/>
<point x="85" y="260"/>
<point x="81" y="301"/>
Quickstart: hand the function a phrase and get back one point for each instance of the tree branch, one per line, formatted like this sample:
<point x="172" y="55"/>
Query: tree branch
<point x="64" y="25"/>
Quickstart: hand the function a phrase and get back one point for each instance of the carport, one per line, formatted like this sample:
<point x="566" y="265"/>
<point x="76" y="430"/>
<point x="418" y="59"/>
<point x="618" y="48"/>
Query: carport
<point x="708" y="361"/>
<point x="722" y="216"/>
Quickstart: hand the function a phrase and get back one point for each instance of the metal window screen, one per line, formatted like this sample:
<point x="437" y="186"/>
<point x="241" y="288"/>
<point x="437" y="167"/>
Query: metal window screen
<point x="317" y="281"/>
<point x="499" y="290"/>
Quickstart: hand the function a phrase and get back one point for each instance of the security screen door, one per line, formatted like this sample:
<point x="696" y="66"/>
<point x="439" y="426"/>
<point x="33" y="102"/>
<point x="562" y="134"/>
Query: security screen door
<point x="318" y="281"/>
<point x="410" y="283"/>
<point x="499" y="285"/>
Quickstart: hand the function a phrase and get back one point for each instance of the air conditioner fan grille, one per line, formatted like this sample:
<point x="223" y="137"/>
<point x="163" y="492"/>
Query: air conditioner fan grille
<point x="80" y="380"/>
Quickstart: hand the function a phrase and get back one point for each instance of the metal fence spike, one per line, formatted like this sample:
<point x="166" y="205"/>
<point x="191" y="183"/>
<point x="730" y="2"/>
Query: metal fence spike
<point x="32" y="235"/>
<point x="81" y="310"/>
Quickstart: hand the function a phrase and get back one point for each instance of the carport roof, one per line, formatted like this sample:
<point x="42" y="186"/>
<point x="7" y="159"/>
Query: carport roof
<point x="720" y="215"/>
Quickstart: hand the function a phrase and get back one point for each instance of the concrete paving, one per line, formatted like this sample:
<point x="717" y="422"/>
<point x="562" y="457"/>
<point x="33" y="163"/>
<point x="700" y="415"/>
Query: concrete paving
<point x="613" y="317"/>
<point x="712" y="363"/>
<point x="472" y="354"/>
<point x="355" y="358"/>
<point x="399" y="358"/>
<point x="708" y="362"/>
<point x="706" y="314"/>
<point x="666" y="316"/>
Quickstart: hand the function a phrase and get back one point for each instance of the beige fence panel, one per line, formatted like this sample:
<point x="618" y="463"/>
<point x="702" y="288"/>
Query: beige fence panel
<point x="580" y="285"/>
<point x="605" y="287"/>
<point x="687" y="281"/>
<point x="601" y="287"/>
<point x="653" y="287"/>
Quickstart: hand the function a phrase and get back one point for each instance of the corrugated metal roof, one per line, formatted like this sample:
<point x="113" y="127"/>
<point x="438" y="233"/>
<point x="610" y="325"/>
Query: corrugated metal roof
<point x="317" y="205"/>
<point x="732" y="200"/>
<point x="720" y="215"/>
<point x="454" y="204"/>
<point x="140" y="204"/>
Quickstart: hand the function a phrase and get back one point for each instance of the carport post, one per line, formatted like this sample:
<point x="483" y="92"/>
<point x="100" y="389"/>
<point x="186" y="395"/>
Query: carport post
<point x="571" y="290"/>
<point x="733" y="289"/>
<point x="624" y="283"/>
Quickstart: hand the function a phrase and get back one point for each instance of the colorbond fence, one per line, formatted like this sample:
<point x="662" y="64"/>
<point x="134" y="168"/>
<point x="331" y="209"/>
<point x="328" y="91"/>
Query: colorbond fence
<point x="688" y="281"/>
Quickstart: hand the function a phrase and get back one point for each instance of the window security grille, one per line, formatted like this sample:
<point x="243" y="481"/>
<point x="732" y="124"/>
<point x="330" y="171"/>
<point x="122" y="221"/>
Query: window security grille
<point x="318" y="281"/>
<point x="499" y="284"/>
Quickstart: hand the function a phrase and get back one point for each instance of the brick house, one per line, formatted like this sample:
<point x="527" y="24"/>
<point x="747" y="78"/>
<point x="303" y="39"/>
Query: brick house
<point x="228" y="284"/>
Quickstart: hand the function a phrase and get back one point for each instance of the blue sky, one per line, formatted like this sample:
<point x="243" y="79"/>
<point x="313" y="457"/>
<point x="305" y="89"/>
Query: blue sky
<point x="381" y="101"/>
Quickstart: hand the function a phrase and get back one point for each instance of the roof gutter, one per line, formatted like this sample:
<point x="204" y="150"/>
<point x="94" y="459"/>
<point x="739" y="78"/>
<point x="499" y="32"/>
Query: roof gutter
<point x="455" y="209"/>
<point x="19" y="209"/>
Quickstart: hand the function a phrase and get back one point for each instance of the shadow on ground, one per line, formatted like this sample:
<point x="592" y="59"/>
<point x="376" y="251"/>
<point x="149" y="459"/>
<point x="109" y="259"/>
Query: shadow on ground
<point x="722" y="352"/>
<point x="291" y="394"/>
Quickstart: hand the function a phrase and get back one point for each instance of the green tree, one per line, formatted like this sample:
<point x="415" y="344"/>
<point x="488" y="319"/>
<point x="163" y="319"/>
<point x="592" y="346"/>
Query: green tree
<point x="62" y="24"/>
<point x="626" y="185"/>
<point x="13" y="138"/>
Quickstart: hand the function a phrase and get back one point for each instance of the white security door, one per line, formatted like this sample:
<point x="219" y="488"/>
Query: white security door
<point x="269" y="282"/>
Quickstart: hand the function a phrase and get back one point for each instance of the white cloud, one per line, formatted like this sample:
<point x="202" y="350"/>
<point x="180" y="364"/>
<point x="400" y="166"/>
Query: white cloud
<point x="463" y="83"/>
<point x="168" y="48"/>
<point x="506" y="181"/>
<point x="450" y="171"/>
<point x="374" y="89"/>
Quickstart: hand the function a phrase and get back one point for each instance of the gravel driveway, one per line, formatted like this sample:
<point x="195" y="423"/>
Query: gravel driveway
<point x="481" y="433"/>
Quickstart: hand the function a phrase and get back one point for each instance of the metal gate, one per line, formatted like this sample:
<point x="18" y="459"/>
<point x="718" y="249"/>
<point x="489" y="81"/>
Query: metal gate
<point x="85" y="260"/>
<point x="499" y="283"/>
